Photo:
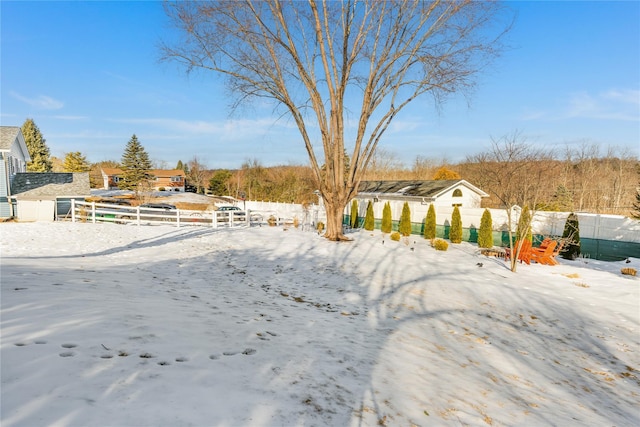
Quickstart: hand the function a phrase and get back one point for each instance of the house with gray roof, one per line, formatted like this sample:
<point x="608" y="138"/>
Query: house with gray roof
<point x="13" y="160"/>
<point x="45" y="196"/>
<point x="457" y="192"/>
<point x="444" y="195"/>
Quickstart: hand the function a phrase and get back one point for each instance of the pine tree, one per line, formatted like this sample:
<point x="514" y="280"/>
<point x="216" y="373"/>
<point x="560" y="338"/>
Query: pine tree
<point x="636" y="205"/>
<point x="369" y="221"/>
<point x="385" y="227"/>
<point x="179" y="165"/>
<point x="455" y="232"/>
<point x="430" y="223"/>
<point x="37" y="147"/>
<point x="523" y="232"/>
<point x="135" y="165"/>
<point x="485" y="235"/>
<point x="75" y="162"/>
<point x="571" y="234"/>
<point x="354" y="214"/>
<point x="405" y="220"/>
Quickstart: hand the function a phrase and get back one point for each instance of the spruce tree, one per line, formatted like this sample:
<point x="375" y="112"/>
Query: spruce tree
<point x="571" y="235"/>
<point x="430" y="223"/>
<point x="404" y="227"/>
<point x="135" y="165"/>
<point x="37" y="147"/>
<point x="523" y="232"/>
<point x="385" y="227"/>
<point x="75" y="162"/>
<point x="485" y="235"/>
<point x="369" y="221"/>
<point x="353" y="219"/>
<point x="455" y="232"/>
<point x="636" y="205"/>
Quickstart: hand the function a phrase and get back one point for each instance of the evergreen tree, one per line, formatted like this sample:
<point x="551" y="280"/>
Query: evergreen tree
<point x="218" y="182"/>
<point x="369" y="221"/>
<point x="135" y="165"/>
<point x="485" y="235"/>
<point x="385" y="227"/>
<point x="636" y="205"/>
<point x="430" y="223"/>
<point x="179" y="165"/>
<point x="354" y="214"/>
<point x="75" y="162"/>
<point x="455" y="232"/>
<point x="523" y="232"/>
<point x="37" y="147"/>
<point x="405" y="220"/>
<point x="571" y="234"/>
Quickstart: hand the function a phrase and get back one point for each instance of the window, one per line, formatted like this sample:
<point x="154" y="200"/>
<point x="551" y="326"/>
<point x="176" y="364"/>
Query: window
<point x="457" y="204"/>
<point x="457" y="192"/>
<point x="116" y="178"/>
<point x="176" y="179"/>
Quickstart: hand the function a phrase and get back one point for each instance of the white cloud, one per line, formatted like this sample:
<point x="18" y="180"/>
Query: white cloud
<point x="610" y="105"/>
<point x="41" y="102"/>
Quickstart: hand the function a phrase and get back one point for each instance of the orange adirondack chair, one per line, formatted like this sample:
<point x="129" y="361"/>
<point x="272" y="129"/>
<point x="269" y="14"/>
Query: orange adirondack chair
<point x="525" y="251"/>
<point x="545" y="255"/>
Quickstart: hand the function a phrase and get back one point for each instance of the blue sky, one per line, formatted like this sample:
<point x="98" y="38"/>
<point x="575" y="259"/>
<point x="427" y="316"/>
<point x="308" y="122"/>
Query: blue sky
<point x="89" y="74"/>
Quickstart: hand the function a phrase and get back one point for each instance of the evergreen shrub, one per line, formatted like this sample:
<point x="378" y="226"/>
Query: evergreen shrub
<point x="430" y="223"/>
<point x="485" y="235"/>
<point x="353" y="219"/>
<point x="395" y="236"/>
<point x="440" y="244"/>
<point x="385" y="227"/>
<point x="455" y="232"/>
<point x="571" y="234"/>
<point x="369" y="221"/>
<point x="405" y="220"/>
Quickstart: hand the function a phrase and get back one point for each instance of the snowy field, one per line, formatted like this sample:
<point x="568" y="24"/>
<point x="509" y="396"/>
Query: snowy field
<point x="112" y="325"/>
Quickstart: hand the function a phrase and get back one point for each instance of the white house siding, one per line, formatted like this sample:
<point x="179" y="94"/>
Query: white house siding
<point x="5" y="207"/>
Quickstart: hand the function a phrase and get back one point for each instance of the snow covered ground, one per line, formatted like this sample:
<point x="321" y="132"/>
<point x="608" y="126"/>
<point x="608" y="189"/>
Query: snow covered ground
<point x="113" y="325"/>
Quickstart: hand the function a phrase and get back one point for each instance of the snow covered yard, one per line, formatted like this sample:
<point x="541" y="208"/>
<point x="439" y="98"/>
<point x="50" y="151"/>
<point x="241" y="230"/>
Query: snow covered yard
<point x="111" y="325"/>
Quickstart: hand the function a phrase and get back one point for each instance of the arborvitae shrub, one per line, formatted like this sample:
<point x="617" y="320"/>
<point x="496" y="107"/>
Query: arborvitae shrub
<point x="455" y="232"/>
<point x="440" y="244"/>
<point x="571" y="249"/>
<point x="523" y="232"/>
<point x="354" y="214"/>
<point x="405" y="220"/>
<point x="385" y="227"/>
<point x="395" y="236"/>
<point x="430" y="223"/>
<point x="369" y="222"/>
<point x="485" y="235"/>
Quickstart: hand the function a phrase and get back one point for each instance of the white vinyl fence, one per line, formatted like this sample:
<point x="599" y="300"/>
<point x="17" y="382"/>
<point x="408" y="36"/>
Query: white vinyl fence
<point x="254" y="213"/>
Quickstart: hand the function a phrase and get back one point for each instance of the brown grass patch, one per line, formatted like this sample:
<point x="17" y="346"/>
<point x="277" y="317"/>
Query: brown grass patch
<point x="571" y="275"/>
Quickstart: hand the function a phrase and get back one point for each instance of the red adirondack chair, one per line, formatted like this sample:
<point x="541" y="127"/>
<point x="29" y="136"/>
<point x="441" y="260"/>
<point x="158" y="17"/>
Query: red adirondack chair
<point x="545" y="255"/>
<point x="525" y="251"/>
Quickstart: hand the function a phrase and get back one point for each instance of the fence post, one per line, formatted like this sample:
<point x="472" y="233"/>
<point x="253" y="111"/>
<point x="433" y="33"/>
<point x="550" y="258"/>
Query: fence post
<point x="178" y="218"/>
<point x="214" y="219"/>
<point x="73" y="210"/>
<point x="93" y="212"/>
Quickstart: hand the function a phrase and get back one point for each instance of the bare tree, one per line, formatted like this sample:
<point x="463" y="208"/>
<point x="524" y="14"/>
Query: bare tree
<point x="197" y="174"/>
<point x="512" y="171"/>
<point x="327" y="58"/>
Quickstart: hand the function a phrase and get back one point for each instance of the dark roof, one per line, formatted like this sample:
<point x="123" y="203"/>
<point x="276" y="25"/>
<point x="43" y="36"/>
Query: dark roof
<point x="48" y="185"/>
<point x="410" y="188"/>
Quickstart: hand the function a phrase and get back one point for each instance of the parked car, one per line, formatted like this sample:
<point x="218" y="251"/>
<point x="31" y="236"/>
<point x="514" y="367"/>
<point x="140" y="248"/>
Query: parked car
<point x="164" y="206"/>
<point x="238" y="214"/>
